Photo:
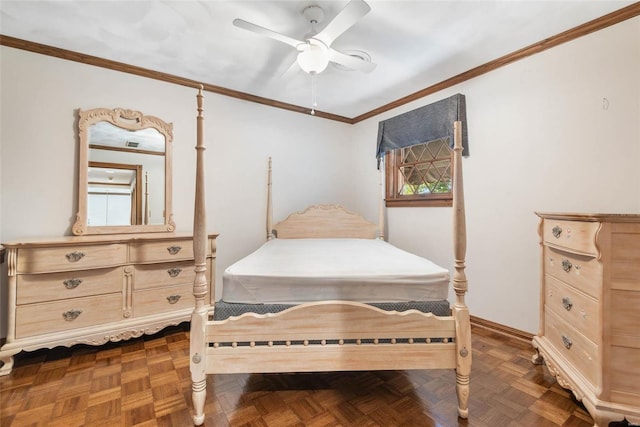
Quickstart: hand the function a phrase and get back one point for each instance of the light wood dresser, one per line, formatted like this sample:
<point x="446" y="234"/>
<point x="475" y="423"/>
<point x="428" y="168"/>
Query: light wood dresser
<point x="95" y="289"/>
<point x="590" y="310"/>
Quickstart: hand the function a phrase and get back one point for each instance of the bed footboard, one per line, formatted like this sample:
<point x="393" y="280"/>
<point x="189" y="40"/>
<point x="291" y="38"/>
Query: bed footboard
<point x="330" y="336"/>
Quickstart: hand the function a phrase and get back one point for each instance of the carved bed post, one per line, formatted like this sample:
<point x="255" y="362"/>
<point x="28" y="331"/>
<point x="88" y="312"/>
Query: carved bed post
<point x="198" y="318"/>
<point x="269" y="205"/>
<point x="460" y="285"/>
<point x="146" y="198"/>
<point x="381" y="229"/>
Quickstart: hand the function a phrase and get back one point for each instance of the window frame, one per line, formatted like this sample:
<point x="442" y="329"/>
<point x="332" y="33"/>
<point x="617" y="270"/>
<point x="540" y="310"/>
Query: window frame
<point x="392" y="162"/>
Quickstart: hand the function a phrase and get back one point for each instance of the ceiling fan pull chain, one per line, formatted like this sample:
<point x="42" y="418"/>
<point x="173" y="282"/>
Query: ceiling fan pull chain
<point x="314" y="93"/>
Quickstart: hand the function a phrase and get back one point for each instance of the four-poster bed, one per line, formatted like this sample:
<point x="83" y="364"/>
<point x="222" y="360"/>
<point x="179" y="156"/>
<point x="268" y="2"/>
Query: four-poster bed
<point x="330" y="334"/>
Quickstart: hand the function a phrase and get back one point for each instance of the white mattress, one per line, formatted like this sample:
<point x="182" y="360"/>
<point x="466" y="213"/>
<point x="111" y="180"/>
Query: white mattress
<point x="293" y="271"/>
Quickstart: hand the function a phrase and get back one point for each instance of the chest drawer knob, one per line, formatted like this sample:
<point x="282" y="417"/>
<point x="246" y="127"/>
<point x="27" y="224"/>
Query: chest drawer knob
<point x="71" y="315"/>
<point x="567" y="342"/>
<point x="173" y="299"/>
<point x="72" y="283"/>
<point x="74" y="256"/>
<point x="566" y="302"/>
<point x="173" y="272"/>
<point x="556" y="231"/>
<point x="174" y="249"/>
<point x="566" y="265"/>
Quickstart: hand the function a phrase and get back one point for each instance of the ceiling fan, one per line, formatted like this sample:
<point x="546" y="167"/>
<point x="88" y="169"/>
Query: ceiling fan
<point x="315" y="51"/>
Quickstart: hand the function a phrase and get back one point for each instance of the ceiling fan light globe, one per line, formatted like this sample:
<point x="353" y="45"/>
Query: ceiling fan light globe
<point x="313" y="59"/>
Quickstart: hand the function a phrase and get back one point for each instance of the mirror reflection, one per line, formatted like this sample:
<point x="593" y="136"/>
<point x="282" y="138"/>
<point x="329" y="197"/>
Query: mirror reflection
<point x="113" y="194"/>
<point x="124" y="178"/>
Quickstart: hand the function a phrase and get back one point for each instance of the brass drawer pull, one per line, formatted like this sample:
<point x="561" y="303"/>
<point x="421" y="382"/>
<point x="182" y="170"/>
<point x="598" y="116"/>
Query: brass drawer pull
<point x="567" y="342"/>
<point x="174" y="249"/>
<point x="71" y="315"/>
<point x="74" y="256"/>
<point x="566" y="302"/>
<point x="72" y="283"/>
<point x="173" y="299"/>
<point x="173" y="272"/>
<point x="557" y="231"/>
<point x="566" y="265"/>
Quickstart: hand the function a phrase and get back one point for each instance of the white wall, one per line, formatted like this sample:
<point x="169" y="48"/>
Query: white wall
<point x="540" y="140"/>
<point x="38" y="152"/>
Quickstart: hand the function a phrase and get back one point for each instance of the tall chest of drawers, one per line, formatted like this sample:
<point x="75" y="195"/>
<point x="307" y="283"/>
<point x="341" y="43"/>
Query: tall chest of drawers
<point x="95" y="289"/>
<point x="590" y="310"/>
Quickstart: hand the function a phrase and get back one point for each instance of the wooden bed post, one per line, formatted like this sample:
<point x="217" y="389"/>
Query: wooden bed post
<point x="269" y="205"/>
<point x="381" y="228"/>
<point x="198" y="318"/>
<point x="146" y="198"/>
<point x="460" y="284"/>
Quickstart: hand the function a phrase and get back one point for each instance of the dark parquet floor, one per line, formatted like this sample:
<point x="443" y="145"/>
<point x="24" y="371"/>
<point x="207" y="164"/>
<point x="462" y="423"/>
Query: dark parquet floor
<point x="146" y="382"/>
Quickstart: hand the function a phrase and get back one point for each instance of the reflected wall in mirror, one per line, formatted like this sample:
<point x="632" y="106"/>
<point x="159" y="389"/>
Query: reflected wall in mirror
<point x="124" y="173"/>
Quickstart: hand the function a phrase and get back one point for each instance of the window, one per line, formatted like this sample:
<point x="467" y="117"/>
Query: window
<point x="420" y="175"/>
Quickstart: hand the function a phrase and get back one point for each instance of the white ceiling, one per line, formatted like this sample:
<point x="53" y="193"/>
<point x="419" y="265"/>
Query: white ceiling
<point x="415" y="44"/>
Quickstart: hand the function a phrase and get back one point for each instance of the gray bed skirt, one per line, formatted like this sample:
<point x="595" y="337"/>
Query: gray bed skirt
<point x="224" y="310"/>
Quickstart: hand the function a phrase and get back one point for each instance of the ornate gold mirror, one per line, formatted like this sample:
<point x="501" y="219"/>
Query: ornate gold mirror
<point x="124" y="175"/>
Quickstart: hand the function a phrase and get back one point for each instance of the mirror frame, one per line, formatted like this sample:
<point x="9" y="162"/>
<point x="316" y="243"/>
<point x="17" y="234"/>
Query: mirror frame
<point x="129" y="120"/>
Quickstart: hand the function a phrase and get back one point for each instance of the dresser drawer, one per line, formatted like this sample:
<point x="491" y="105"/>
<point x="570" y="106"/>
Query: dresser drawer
<point x="44" y="287"/>
<point x="36" y="319"/>
<point x="580" y="310"/>
<point x="163" y="300"/>
<point x="582" y="272"/>
<point x="66" y="258"/>
<point x="575" y="347"/>
<point x="159" y="275"/>
<point x="167" y="250"/>
<point x="578" y="236"/>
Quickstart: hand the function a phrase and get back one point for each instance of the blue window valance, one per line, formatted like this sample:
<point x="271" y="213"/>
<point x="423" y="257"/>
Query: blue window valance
<point x="424" y="124"/>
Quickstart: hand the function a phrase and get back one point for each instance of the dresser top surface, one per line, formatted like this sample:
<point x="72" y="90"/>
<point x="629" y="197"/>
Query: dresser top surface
<point x="98" y="239"/>
<point x="575" y="216"/>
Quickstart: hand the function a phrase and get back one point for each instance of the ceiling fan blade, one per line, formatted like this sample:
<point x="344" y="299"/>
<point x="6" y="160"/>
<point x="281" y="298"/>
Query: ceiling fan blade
<point x="352" y="12"/>
<point x="241" y="23"/>
<point x="350" y="61"/>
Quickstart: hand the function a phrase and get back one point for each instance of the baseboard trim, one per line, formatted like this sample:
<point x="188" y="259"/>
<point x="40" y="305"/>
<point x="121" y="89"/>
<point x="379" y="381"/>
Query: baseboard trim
<point x="501" y="329"/>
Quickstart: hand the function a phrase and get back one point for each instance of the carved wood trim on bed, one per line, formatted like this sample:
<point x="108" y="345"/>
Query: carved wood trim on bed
<point x="308" y="337"/>
<point x="323" y="222"/>
<point x="300" y="323"/>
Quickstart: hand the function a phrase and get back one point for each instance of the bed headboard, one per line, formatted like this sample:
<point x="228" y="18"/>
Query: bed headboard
<point x="325" y="222"/>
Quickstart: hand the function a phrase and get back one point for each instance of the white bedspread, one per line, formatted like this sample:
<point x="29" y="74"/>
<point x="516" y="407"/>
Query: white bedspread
<point x="300" y="270"/>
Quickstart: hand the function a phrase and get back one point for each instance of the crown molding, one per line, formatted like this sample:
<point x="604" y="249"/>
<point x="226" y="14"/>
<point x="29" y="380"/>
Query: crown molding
<point x="157" y="75"/>
<point x="597" y="24"/>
